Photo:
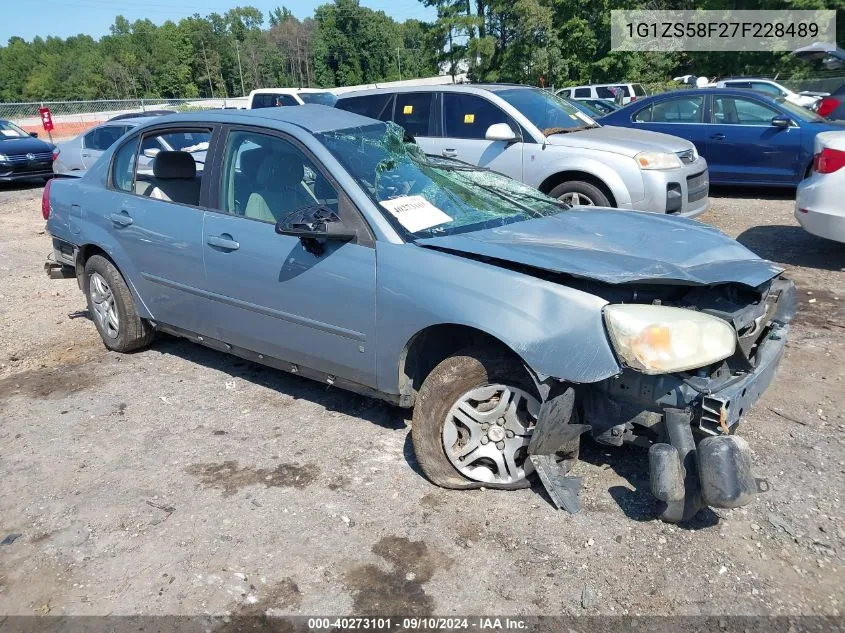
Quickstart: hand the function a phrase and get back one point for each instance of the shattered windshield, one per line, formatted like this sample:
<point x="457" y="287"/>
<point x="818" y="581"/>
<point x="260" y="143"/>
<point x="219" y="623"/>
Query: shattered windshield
<point x="430" y="196"/>
<point x="548" y="112"/>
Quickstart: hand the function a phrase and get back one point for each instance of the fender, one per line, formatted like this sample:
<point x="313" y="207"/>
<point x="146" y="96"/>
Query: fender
<point x="557" y="331"/>
<point x="625" y="192"/>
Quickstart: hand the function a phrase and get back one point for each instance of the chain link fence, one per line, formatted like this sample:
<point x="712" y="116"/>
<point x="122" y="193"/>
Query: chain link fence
<point x="73" y="117"/>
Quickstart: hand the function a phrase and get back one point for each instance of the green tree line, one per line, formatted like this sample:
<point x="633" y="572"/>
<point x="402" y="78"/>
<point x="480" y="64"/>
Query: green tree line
<point x="563" y="42"/>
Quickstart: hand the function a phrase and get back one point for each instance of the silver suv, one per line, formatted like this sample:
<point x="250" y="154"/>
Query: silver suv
<point x="544" y="141"/>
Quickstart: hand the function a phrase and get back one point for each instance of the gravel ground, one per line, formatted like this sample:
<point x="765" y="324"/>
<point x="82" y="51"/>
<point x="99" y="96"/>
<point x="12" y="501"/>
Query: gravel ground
<point x="179" y="480"/>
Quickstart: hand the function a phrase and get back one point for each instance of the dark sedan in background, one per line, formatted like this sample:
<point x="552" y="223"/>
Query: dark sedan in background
<point x="22" y="156"/>
<point x="748" y="138"/>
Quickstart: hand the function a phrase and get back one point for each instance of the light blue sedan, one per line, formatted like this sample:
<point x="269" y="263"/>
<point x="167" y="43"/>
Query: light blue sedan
<point x="327" y="244"/>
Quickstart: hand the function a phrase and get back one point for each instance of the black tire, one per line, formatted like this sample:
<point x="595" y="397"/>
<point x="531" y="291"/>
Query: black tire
<point x="132" y="332"/>
<point x="447" y="382"/>
<point x="579" y="187"/>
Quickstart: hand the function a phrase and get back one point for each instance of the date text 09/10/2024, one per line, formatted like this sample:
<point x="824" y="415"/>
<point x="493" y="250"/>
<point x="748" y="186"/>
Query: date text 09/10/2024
<point x="424" y="623"/>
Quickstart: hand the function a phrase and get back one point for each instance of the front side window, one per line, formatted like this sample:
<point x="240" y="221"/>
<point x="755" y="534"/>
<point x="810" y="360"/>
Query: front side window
<point x="679" y="110"/>
<point x="413" y="112"/>
<point x="266" y="178"/>
<point x="123" y="166"/>
<point x="428" y="196"/>
<point x="548" y="112"/>
<point x="740" y="111"/>
<point x="469" y="116"/>
<point x="265" y="100"/>
<point x="172" y="173"/>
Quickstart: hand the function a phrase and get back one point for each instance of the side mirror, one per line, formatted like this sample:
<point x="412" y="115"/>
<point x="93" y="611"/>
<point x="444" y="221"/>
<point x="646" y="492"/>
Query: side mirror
<point x="151" y="152"/>
<point x="34" y="134"/>
<point x="781" y="121"/>
<point x="312" y="224"/>
<point x="500" y="132"/>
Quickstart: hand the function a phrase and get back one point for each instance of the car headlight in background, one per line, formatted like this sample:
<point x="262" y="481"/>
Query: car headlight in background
<point x="657" y="160"/>
<point x="662" y="340"/>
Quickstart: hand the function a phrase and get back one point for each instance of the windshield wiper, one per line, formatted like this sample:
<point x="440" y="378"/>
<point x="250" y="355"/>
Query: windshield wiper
<point x="566" y="130"/>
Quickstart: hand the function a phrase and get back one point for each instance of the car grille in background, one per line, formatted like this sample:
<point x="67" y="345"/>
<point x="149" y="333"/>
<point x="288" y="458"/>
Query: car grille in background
<point x="20" y="159"/>
<point x="687" y="156"/>
<point x="697" y="186"/>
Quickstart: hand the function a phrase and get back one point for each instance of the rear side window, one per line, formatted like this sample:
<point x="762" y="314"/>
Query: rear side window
<point x="104" y="137"/>
<point x="413" y="112"/>
<point x="582" y="93"/>
<point x="604" y="92"/>
<point x="678" y="110"/>
<point x="123" y="166"/>
<point x="172" y="172"/>
<point x="469" y="116"/>
<point x="272" y="100"/>
<point x="377" y="106"/>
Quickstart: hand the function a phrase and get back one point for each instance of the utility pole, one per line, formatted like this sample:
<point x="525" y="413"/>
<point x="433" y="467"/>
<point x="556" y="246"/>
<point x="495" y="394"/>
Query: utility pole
<point x="399" y="63"/>
<point x="207" y="69"/>
<point x="240" y="72"/>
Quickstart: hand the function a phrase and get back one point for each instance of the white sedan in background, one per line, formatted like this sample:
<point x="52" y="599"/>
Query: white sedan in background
<point x="820" y="201"/>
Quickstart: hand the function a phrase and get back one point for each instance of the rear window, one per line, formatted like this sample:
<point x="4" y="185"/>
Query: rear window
<point x="320" y="98"/>
<point x="639" y="91"/>
<point x="376" y="106"/>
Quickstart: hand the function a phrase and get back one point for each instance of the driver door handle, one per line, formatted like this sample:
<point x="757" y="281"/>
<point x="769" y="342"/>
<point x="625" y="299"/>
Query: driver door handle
<point x="449" y="153"/>
<point x="718" y="137"/>
<point x="224" y="241"/>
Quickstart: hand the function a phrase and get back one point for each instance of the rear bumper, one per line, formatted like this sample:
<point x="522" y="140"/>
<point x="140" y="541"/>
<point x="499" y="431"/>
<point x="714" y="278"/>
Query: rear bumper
<point x="819" y="208"/>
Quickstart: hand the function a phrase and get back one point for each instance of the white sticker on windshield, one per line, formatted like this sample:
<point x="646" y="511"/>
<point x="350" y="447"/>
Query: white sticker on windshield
<point x="585" y="118"/>
<point x="11" y="133"/>
<point x="415" y="213"/>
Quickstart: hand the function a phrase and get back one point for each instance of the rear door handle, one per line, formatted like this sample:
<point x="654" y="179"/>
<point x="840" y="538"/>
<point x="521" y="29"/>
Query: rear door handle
<point x="449" y="153"/>
<point x="85" y="154"/>
<point x="718" y="137"/>
<point x="224" y="241"/>
<point x="121" y="219"/>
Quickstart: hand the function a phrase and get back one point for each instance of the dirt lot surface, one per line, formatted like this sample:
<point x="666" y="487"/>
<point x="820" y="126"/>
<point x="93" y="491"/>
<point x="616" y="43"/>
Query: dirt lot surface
<point x="178" y="480"/>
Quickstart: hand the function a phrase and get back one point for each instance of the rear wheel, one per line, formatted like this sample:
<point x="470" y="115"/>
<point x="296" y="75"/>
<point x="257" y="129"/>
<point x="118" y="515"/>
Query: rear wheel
<point x="578" y="193"/>
<point x="112" y="308"/>
<point x="473" y="420"/>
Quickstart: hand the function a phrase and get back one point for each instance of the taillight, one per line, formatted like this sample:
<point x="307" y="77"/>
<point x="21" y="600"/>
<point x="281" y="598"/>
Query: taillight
<point x="827" y="105"/>
<point x="45" y="200"/>
<point x="56" y="152"/>
<point x="633" y="99"/>
<point x="828" y="160"/>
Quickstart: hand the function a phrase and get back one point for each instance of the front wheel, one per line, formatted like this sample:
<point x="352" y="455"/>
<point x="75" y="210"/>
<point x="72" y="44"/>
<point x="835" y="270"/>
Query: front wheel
<point x="577" y="193"/>
<point x="473" y="420"/>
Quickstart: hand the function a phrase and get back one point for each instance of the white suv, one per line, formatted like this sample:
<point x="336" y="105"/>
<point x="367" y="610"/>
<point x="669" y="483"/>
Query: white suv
<point x="630" y="92"/>
<point x="276" y="97"/>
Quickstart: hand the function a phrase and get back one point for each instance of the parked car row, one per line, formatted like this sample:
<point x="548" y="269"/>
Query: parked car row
<point x="332" y="245"/>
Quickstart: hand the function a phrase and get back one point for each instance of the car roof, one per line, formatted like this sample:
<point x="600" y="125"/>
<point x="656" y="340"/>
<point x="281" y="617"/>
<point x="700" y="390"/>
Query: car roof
<point x="313" y="118"/>
<point x="736" y="92"/>
<point x="467" y="88"/>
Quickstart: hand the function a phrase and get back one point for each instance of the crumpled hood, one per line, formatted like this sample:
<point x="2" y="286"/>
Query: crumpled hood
<point x="621" y="140"/>
<point x="618" y="247"/>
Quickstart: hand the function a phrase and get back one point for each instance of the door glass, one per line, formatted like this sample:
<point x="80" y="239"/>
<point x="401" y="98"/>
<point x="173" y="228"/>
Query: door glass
<point x="583" y="93"/>
<point x="413" y="112"/>
<point x="172" y="173"/>
<point x="123" y="166"/>
<point x="604" y="92"/>
<point x="469" y="116"/>
<point x="739" y="111"/>
<point x="104" y="137"/>
<point x="679" y="110"/>
<point x="764" y="87"/>
<point x="377" y="106"/>
<point x="272" y="101"/>
<point x="266" y="178"/>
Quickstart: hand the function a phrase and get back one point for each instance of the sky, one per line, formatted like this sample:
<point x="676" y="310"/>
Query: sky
<point x="62" y="18"/>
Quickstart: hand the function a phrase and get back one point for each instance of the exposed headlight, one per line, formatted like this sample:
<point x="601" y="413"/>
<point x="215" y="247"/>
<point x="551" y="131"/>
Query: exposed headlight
<point x="657" y="160"/>
<point x="3" y="158"/>
<point x="662" y="340"/>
